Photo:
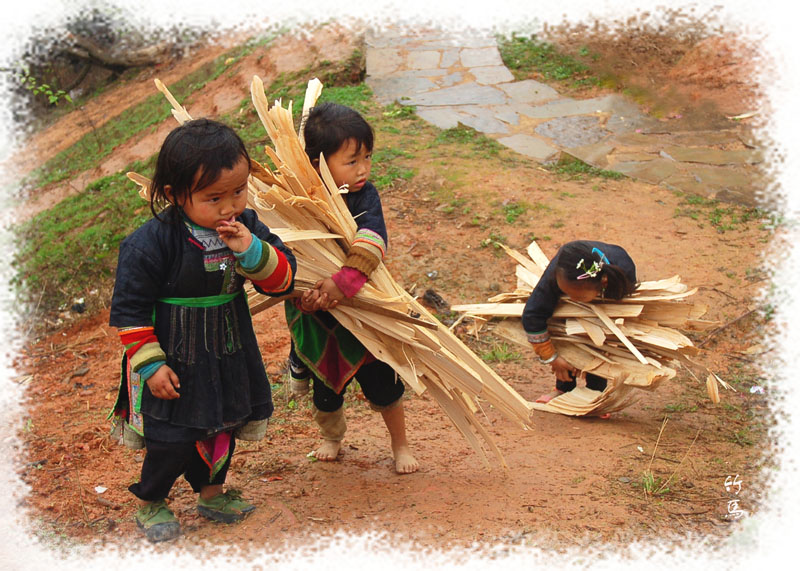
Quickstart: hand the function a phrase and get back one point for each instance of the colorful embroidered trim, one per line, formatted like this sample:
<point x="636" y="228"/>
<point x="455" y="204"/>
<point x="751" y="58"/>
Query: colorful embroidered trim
<point x="539" y="337"/>
<point x="272" y="273"/>
<point x="215" y="452"/>
<point x="372" y="241"/>
<point x="141" y="346"/>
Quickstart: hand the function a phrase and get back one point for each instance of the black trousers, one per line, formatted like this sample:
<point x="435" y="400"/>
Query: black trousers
<point x="378" y="382"/>
<point x="165" y="462"/>
<point x="594" y="382"/>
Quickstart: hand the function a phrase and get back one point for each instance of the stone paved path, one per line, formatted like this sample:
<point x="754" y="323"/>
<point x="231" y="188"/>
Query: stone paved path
<point x="462" y="79"/>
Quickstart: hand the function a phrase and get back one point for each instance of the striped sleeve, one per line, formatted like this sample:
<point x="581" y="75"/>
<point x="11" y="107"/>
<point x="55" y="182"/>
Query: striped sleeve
<point x="366" y="252"/>
<point x="270" y="271"/>
<point x="142" y="348"/>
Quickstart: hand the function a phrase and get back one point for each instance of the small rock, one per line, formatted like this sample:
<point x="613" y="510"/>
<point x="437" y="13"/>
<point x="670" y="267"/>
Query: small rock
<point x="435" y="300"/>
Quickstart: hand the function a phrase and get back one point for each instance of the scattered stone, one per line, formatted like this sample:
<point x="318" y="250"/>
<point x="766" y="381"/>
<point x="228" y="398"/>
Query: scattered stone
<point x="482" y="119"/>
<point x="464" y="94"/>
<point x="442" y="117"/>
<point x="530" y="146"/>
<point x="479" y="57"/>
<point x="428" y="59"/>
<point x="491" y="75"/>
<point x="573" y="131"/>
<point x="436" y="301"/>
<point x="449" y="58"/>
<point x="529" y="91"/>
<point x="595" y="154"/>
<point x="382" y="61"/>
<point x="715" y="156"/>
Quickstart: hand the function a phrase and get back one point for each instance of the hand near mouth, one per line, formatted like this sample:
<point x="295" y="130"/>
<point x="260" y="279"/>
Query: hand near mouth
<point x="235" y="234"/>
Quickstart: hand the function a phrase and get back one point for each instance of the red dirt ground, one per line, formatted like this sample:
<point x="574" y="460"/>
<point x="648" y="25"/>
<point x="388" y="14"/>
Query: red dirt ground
<point x="573" y="481"/>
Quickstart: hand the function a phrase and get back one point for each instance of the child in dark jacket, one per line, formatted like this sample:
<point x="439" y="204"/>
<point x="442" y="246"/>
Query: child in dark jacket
<point x="193" y="376"/>
<point x="582" y="270"/>
<point x="323" y="351"/>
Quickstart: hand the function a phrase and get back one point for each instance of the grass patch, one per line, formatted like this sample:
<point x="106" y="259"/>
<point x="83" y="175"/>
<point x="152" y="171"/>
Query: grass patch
<point x="575" y="169"/>
<point x="67" y="250"/>
<point x="388" y="169"/>
<point x="397" y="111"/>
<point x="514" y="210"/>
<point x="467" y="138"/>
<point x="653" y="485"/>
<point x="494" y="240"/>
<point x="501" y="353"/>
<point x="355" y="96"/>
<point x="742" y="437"/>
<point x="680" y="407"/>
<point x="724" y="218"/>
<point x="528" y="56"/>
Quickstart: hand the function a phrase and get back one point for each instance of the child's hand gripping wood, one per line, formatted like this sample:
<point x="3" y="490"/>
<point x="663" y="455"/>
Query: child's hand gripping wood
<point x="329" y="292"/>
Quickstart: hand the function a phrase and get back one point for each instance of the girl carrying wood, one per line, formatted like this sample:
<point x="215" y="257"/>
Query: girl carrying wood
<point x="582" y="270"/>
<point x="193" y="376"/>
<point x="323" y="350"/>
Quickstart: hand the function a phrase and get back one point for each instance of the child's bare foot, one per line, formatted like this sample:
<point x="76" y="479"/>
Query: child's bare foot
<point x="404" y="461"/>
<point x="549" y="396"/>
<point x="328" y="450"/>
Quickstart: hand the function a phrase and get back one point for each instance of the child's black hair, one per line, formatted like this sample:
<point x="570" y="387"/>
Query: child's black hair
<point x="569" y="264"/>
<point x="328" y="125"/>
<point x="199" y="146"/>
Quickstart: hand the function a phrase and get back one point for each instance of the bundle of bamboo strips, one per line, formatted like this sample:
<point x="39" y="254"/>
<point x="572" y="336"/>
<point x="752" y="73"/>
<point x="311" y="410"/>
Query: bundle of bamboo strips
<point x="633" y="342"/>
<point x="308" y="210"/>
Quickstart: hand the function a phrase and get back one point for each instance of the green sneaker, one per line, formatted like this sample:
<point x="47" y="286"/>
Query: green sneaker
<point x="157" y="522"/>
<point x="228" y="507"/>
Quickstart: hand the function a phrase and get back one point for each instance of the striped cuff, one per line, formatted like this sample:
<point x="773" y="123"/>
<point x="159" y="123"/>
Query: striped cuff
<point x="147" y="371"/>
<point x="250" y="258"/>
<point x="141" y="347"/>
<point x="271" y="271"/>
<point x="366" y="252"/>
<point x="539" y="337"/>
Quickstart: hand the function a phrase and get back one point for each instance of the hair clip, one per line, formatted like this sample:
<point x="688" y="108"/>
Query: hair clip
<point x="603" y="258"/>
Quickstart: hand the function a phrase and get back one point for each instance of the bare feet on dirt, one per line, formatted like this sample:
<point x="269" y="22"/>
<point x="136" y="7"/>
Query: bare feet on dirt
<point x="328" y="450"/>
<point x="404" y="461"/>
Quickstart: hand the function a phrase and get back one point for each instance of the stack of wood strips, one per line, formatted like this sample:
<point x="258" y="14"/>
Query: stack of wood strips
<point x="634" y="343"/>
<point x="308" y="211"/>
